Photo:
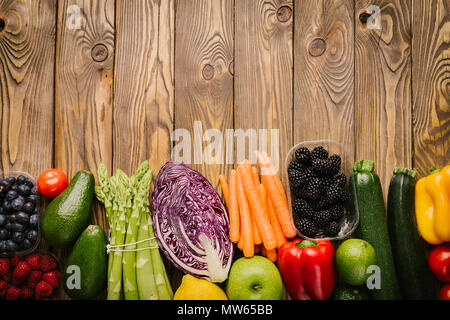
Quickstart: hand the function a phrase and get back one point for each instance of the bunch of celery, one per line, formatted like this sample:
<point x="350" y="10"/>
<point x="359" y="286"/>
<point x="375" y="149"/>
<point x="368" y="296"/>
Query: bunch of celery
<point x="135" y="268"/>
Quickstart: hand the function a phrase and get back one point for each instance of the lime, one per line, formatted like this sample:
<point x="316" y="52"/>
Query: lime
<point x="346" y="292"/>
<point x="353" y="257"/>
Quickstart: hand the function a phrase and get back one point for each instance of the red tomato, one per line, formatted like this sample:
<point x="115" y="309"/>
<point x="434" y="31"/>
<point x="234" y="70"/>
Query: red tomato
<point x="52" y="182"/>
<point x="445" y="293"/>
<point x="439" y="262"/>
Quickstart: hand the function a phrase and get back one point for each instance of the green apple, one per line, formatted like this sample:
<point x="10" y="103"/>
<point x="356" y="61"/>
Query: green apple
<point x="255" y="278"/>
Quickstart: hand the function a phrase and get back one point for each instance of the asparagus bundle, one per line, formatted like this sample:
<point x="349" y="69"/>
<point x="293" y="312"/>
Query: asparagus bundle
<point x="135" y="267"/>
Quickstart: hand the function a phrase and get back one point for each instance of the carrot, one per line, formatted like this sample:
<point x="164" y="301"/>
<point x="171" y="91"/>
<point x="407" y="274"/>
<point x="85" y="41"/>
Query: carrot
<point x="257" y="248"/>
<point x="246" y="221"/>
<point x="256" y="235"/>
<point x="272" y="255"/>
<point x="255" y="175"/>
<point x="261" y="213"/>
<point x="233" y="208"/>
<point x="275" y="190"/>
<point x="279" y="235"/>
<point x="225" y="190"/>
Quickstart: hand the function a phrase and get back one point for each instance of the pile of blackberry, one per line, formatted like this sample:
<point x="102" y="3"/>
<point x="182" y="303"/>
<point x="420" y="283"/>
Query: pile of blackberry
<point x="318" y="192"/>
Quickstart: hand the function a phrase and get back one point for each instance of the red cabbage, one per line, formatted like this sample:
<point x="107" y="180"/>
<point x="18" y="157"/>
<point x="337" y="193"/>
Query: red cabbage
<point x="191" y="223"/>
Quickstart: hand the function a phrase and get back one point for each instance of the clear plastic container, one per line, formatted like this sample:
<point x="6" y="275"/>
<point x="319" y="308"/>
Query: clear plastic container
<point x="16" y="173"/>
<point x="351" y="218"/>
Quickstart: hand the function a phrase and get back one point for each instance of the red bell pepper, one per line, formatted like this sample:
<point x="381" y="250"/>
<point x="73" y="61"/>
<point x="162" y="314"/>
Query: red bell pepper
<point x="307" y="268"/>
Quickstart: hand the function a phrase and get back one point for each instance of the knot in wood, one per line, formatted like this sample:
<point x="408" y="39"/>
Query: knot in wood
<point x="2" y="24"/>
<point x="231" y="68"/>
<point x="208" y="72"/>
<point x="317" y="47"/>
<point x="284" y="13"/>
<point x="364" y="17"/>
<point x="99" y="52"/>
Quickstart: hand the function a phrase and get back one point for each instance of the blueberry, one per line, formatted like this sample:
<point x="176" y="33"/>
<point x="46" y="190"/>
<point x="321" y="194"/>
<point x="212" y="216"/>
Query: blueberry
<point x="11" y="246"/>
<point x="32" y="235"/>
<point x="18" y="227"/>
<point x="2" y="220"/>
<point x="2" y="246"/>
<point x="17" y="237"/>
<point x="28" y="183"/>
<point x="14" y="187"/>
<point x="5" y="185"/>
<point x="28" y="207"/>
<point x="26" y="244"/>
<point x="4" y="234"/>
<point x="22" y="217"/>
<point x="34" y="191"/>
<point x="11" y="195"/>
<point x="11" y="179"/>
<point x="18" y="203"/>
<point x="7" y="206"/>
<point x="32" y="198"/>
<point x="34" y="220"/>
<point x="12" y="217"/>
<point x="21" y="179"/>
<point x="9" y="226"/>
<point x="23" y="189"/>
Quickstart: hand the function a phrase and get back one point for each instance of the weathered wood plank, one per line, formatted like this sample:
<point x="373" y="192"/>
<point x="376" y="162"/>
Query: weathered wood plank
<point x="383" y="129"/>
<point x="204" y="80"/>
<point x="324" y="72"/>
<point x="431" y="83"/>
<point x="144" y="88"/>
<point x="84" y="90"/>
<point x="27" y="49"/>
<point x="263" y="76"/>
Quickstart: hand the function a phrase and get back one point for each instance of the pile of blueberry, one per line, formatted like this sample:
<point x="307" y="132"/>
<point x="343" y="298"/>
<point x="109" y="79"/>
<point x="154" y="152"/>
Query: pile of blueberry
<point x="19" y="214"/>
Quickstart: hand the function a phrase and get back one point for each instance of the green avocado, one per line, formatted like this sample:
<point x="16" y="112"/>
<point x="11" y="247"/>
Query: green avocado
<point x="86" y="268"/>
<point x="69" y="213"/>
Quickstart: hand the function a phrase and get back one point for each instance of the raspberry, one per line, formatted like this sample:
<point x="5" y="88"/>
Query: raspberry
<point x="4" y="266"/>
<point x="48" y="263"/>
<point x="34" y="278"/>
<point x="27" y="293"/>
<point x="43" y="290"/>
<point x="7" y="276"/>
<point x="22" y="270"/>
<point x="13" y="293"/>
<point x="3" y="284"/>
<point x="14" y="260"/>
<point x="33" y="261"/>
<point x="52" y="277"/>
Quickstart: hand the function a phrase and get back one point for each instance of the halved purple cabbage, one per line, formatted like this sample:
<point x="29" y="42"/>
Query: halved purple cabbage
<point x="191" y="223"/>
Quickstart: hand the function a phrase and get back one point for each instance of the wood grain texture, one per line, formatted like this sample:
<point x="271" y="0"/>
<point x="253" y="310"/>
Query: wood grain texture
<point x="431" y="84"/>
<point x="204" y="83"/>
<point x="324" y="72"/>
<point x="84" y="91"/>
<point x="27" y="49"/>
<point x="144" y="77"/>
<point x="263" y="75"/>
<point x="383" y="88"/>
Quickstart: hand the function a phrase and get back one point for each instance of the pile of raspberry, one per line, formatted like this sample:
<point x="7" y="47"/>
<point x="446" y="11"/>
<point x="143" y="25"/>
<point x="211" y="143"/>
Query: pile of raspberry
<point x="34" y="277"/>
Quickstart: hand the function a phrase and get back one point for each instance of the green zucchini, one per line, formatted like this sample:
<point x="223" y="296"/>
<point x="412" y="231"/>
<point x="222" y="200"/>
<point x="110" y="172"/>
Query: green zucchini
<point x="410" y="253"/>
<point x="367" y="194"/>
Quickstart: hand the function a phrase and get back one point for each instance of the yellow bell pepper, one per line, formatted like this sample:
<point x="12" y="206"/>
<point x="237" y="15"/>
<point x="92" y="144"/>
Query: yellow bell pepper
<point x="432" y="197"/>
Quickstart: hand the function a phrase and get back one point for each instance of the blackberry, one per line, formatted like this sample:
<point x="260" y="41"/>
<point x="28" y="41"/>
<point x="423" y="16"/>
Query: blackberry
<point x="334" y="193"/>
<point x="335" y="163"/>
<point x="332" y="229"/>
<point x="295" y="165"/>
<point x="295" y="178"/>
<point x="306" y="228"/>
<point x="340" y="178"/>
<point x="337" y="212"/>
<point x="302" y="209"/>
<point x="303" y="155"/>
<point x="319" y="153"/>
<point x="322" y="166"/>
<point x="321" y="218"/>
<point x="314" y="189"/>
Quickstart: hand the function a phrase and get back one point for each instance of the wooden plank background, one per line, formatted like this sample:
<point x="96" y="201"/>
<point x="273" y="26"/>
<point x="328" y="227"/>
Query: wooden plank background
<point x="84" y="82"/>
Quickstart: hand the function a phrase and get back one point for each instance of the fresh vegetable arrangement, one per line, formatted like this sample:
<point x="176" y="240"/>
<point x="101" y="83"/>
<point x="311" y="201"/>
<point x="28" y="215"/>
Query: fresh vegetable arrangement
<point x="135" y="265"/>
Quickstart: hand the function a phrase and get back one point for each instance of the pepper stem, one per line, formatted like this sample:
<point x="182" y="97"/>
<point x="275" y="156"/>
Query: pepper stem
<point x="434" y="170"/>
<point x="307" y="243"/>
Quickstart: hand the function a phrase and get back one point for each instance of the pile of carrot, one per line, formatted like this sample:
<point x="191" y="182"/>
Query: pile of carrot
<point x="260" y="220"/>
